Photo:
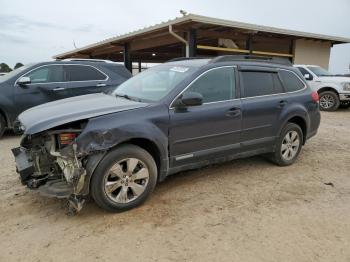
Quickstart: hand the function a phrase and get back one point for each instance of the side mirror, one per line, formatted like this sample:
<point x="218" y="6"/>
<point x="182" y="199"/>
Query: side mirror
<point x="24" y="80"/>
<point x="189" y="99"/>
<point x="308" y="77"/>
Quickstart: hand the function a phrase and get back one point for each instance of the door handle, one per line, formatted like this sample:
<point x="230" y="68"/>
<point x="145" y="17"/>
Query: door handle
<point x="101" y="85"/>
<point x="59" y="89"/>
<point x="282" y="103"/>
<point x="233" y="112"/>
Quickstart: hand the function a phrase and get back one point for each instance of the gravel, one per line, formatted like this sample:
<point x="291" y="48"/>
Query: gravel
<point x="244" y="210"/>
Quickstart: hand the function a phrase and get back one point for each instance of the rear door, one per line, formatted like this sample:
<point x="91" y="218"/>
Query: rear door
<point x="85" y="79"/>
<point x="212" y="129"/>
<point x="263" y="100"/>
<point x="47" y="84"/>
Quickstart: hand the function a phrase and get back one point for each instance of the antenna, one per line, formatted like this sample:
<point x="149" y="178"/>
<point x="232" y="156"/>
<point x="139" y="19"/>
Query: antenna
<point x="74" y="45"/>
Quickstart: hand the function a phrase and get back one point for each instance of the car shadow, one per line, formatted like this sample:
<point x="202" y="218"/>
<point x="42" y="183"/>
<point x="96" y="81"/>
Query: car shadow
<point x="158" y="199"/>
<point x="9" y="134"/>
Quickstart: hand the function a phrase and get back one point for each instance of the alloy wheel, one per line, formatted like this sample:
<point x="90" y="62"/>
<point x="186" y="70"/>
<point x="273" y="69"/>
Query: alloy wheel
<point x="126" y="180"/>
<point x="327" y="101"/>
<point x="290" y="145"/>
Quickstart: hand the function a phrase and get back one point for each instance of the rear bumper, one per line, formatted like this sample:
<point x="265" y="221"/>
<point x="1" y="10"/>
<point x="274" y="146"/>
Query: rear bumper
<point x="24" y="167"/>
<point x="315" y="121"/>
<point x="344" y="97"/>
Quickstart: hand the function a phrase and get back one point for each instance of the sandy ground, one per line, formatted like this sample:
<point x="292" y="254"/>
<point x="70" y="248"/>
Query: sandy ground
<point x="245" y="210"/>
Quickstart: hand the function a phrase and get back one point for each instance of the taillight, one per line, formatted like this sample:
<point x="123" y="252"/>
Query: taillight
<point x="66" y="138"/>
<point x="315" y="97"/>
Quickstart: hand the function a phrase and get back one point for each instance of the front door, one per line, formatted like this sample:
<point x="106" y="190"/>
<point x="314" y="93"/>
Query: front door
<point x="47" y="84"/>
<point x="211" y="130"/>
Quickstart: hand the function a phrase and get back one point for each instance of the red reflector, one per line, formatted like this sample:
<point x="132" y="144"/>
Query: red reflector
<point x="315" y="97"/>
<point x="67" y="138"/>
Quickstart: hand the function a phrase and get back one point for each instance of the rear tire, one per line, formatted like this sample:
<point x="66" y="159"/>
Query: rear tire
<point x="288" y="145"/>
<point x="124" y="178"/>
<point x="2" y="125"/>
<point x="329" y="101"/>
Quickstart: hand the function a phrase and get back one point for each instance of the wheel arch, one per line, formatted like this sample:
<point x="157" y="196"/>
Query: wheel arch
<point x="327" y="88"/>
<point x="145" y="143"/>
<point x="148" y="145"/>
<point x="300" y="121"/>
<point x="298" y="115"/>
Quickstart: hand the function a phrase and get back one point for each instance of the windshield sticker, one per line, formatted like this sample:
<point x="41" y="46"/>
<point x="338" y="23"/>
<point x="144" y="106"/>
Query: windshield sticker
<point x="179" y="69"/>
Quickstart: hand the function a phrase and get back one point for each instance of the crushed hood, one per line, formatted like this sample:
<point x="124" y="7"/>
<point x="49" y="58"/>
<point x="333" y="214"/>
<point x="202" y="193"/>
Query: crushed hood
<point x="72" y="109"/>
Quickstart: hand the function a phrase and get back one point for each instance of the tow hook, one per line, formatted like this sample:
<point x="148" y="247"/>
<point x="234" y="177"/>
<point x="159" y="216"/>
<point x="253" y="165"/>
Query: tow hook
<point x="75" y="204"/>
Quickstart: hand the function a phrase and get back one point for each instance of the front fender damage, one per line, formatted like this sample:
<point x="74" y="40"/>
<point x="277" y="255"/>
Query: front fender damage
<point x="65" y="172"/>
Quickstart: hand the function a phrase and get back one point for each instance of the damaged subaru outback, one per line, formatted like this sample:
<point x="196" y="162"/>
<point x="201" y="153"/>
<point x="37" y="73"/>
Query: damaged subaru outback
<point x="183" y="114"/>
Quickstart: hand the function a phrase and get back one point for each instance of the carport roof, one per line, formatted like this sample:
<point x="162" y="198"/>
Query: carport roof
<point x="198" y="19"/>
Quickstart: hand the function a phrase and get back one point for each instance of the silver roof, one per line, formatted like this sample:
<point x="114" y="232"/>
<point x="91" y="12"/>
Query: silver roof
<point x="213" y="21"/>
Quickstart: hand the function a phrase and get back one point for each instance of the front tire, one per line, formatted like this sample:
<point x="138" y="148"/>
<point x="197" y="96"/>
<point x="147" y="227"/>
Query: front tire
<point x="124" y="178"/>
<point x="288" y="145"/>
<point x="2" y="125"/>
<point x="329" y="101"/>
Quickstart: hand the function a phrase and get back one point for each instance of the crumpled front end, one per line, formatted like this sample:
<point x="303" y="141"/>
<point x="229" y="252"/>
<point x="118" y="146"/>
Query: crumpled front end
<point x="49" y="162"/>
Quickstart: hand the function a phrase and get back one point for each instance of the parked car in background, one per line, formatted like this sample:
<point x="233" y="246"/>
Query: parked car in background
<point x="334" y="91"/>
<point x="35" y="84"/>
<point x="176" y="116"/>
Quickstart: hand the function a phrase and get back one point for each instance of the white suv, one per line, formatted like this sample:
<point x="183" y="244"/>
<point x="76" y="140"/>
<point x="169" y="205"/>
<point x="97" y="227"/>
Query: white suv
<point x="334" y="91"/>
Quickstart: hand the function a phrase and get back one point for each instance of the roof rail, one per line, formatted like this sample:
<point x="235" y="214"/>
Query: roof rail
<point x="186" y="58"/>
<point x="87" y="60"/>
<point x="267" y="59"/>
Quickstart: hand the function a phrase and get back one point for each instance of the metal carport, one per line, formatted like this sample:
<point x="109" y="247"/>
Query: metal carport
<point x="195" y="35"/>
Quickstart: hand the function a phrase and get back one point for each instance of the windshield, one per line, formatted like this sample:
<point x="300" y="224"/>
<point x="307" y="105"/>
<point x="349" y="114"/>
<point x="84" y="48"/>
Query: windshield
<point x="319" y="71"/>
<point x="153" y="84"/>
<point x="13" y="73"/>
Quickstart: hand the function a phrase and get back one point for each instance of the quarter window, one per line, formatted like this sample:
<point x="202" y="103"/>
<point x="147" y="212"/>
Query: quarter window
<point x="47" y="74"/>
<point x="260" y="83"/>
<point x="83" y="73"/>
<point x="290" y="81"/>
<point x="215" y="85"/>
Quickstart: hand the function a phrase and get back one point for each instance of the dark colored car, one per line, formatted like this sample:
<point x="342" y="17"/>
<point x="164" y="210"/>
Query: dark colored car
<point x="176" y="116"/>
<point x="35" y="84"/>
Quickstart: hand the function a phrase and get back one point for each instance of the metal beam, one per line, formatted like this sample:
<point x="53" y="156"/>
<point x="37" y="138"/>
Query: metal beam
<point x="139" y="64"/>
<point x="127" y="58"/>
<point x="249" y="44"/>
<point x="192" y="42"/>
<point x="214" y="48"/>
<point x="236" y="50"/>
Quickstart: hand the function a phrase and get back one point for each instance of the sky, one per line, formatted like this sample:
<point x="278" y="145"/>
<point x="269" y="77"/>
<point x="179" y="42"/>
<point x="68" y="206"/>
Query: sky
<point x="35" y="30"/>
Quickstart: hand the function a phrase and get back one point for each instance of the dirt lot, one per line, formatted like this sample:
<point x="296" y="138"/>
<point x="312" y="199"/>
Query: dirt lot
<point x="246" y="210"/>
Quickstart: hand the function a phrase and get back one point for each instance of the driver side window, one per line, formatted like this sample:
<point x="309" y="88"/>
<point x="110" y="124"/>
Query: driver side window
<point x="46" y="74"/>
<point x="215" y="85"/>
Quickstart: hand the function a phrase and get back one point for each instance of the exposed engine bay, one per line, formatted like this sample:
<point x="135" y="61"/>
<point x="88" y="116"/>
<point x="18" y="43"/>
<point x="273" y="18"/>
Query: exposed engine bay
<point x="49" y="162"/>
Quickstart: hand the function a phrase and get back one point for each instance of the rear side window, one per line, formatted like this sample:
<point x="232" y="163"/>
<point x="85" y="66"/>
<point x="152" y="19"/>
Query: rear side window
<point x="215" y="85"/>
<point x="290" y="81"/>
<point x="46" y="74"/>
<point x="83" y="73"/>
<point x="260" y="83"/>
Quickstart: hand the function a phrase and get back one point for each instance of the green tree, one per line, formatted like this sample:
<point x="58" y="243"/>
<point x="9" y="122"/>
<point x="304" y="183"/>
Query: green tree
<point x="4" y="68"/>
<point x="18" y="65"/>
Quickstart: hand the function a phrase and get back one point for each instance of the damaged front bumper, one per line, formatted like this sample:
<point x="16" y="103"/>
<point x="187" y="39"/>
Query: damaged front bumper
<point x="52" y="173"/>
<point x="24" y="167"/>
